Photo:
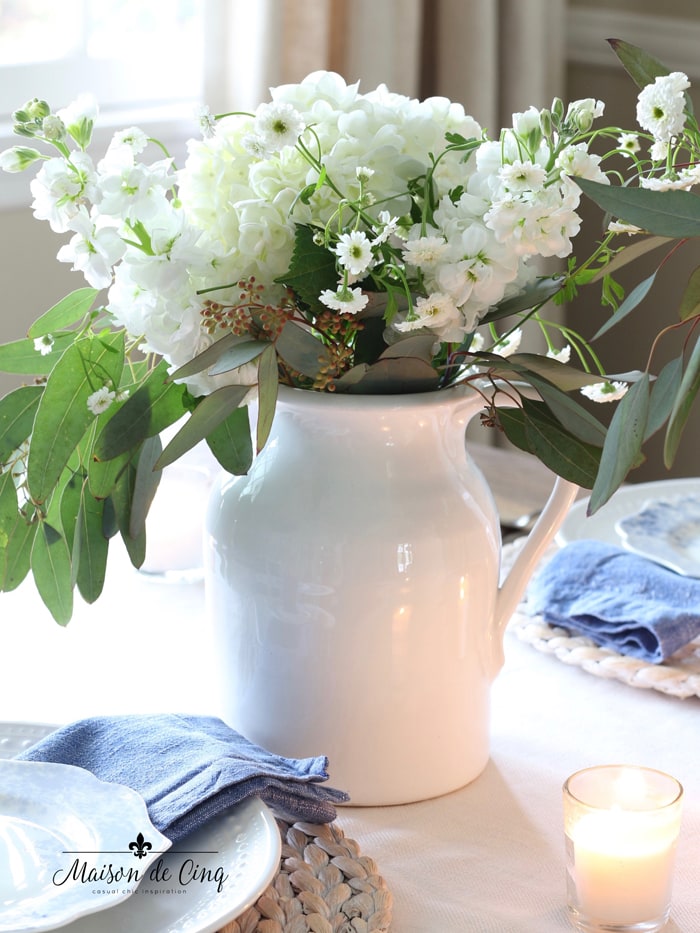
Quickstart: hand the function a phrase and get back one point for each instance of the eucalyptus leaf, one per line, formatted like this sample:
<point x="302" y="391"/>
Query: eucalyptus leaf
<point x="623" y="443"/>
<point x="419" y="346"/>
<point x="532" y="296"/>
<point x="268" y="387"/>
<point x="17" y="553"/>
<point x="93" y="548"/>
<point x="238" y="355"/>
<point x="690" y="301"/>
<point x="156" y="405"/>
<point x="146" y="482"/>
<point x="68" y="311"/>
<point x="562" y="375"/>
<point x="121" y="501"/>
<point x="396" y="376"/>
<point x="206" y="358"/>
<point x="22" y="358"/>
<point x="17" y="410"/>
<point x="639" y="65"/>
<point x="578" y="420"/>
<point x="68" y="510"/>
<point x="209" y="413"/>
<point x="666" y="213"/>
<point x="633" y="299"/>
<point x="63" y="416"/>
<point x="631" y="252"/>
<point x="302" y="351"/>
<point x="535" y="430"/>
<point x="231" y="442"/>
<point x="663" y="392"/>
<point x="683" y="402"/>
<point x="51" y="568"/>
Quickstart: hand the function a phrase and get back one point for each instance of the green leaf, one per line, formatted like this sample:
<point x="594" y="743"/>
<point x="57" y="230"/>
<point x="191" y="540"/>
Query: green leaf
<point x="311" y="270"/>
<point x="62" y="416"/>
<point x="268" y="386"/>
<point x="21" y="358"/>
<point x="17" y="410"/>
<point x="69" y="510"/>
<point x="231" y="442"/>
<point x="70" y="309"/>
<point x="623" y="444"/>
<point x="578" y="420"/>
<point x="301" y="350"/>
<point x="93" y="547"/>
<point x="667" y="213"/>
<point x="17" y="557"/>
<point x="562" y="375"/>
<point x="156" y="405"/>
<point x="690" y="302"/>
<point x="51" y="568"/>
<point x="635" y="297"/>
<point x="663" y="392"/>
<point x="683" y="402"/>
<point x="534" y="429"/>
<point x="103" y="475"/>
<point x="639" y="65"/>
<point x="208" y="415"/>
<point x="146" y="483"/>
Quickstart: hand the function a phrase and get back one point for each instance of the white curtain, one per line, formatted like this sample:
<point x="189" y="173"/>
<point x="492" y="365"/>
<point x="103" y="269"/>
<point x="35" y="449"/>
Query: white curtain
<point x="493" y="56"/>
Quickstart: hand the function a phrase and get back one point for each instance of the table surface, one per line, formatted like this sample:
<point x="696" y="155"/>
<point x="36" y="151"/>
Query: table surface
<point x="488" y="858"/>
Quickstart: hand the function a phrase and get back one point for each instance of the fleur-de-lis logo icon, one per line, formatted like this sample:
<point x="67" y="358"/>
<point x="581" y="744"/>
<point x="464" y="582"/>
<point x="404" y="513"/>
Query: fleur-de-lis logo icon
<point x="140" y="847"/>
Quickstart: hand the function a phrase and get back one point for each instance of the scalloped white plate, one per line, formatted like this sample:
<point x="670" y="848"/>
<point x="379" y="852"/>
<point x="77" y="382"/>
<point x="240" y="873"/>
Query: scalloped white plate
<point x="60" y="825"/>
<point x="666" y="531"/>
<point x="628" y="500"/>
<point x="244" y="846"/>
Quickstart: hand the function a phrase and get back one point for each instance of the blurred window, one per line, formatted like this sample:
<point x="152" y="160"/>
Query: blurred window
<point x="130" y="54"/>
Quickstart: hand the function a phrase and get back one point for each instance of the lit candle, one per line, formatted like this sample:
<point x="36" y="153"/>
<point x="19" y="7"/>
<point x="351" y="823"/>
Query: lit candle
<point x="621" y="827"/>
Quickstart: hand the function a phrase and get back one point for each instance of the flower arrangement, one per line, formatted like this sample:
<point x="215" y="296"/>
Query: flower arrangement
<point x="333" y="241"/>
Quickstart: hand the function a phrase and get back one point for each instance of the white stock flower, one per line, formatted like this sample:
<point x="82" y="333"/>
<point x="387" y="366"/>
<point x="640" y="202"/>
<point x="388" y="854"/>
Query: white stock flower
<point x="100" y="400"/>
<point x="93" y="249"/>
<point x="579" y="162"/>
<point x="522" y="176"/>
<point x="582" y="113"/>
<point x="60" y="189"/>
<point x="608" y="391"/>
<point x="660" y="106"/>
<point x="17" y="158"/>
<point x="437" y="311"/>
<point x="354" y="252"/>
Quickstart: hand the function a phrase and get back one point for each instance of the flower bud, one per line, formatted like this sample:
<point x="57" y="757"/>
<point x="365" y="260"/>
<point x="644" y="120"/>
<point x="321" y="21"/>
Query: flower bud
<point x="17" y="158"/>
<point x="37" y="109"/>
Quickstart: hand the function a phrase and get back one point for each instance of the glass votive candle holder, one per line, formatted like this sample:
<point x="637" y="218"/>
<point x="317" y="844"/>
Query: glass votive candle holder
<point x="621" y="826"/>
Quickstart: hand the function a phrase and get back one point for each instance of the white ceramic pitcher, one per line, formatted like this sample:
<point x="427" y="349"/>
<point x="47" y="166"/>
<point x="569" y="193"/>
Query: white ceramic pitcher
<point x="352" y="578"/>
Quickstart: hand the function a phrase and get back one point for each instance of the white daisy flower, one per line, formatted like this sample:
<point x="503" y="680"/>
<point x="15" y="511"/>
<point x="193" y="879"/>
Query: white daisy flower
<point x="660" y="106"/>
<point x="354" y="252"/>
<point x="278" y="125"/>
<point x="561" y="356"/>
<point x="100" y="400"/>
<point x="44" y="344"/>
<point x="605" y="391"/>
<point x="346" y="300"/>
<point x="628" y="143"/>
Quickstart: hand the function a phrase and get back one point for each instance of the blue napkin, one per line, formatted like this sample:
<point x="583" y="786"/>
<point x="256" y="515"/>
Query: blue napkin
<point x="190" y="769"/>
<point x="618" y="599"/>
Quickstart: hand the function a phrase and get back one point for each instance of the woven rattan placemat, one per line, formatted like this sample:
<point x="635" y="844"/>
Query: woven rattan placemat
<point x="325" y="885"/>
<point x="678" y="676"/>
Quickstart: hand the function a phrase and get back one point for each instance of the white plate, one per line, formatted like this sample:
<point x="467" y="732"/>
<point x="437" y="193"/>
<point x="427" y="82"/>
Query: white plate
<point x="59" y="826"/>
<point x="667" y="531"/>
<point x="243" y="847"/>
<point x="626" y="501"/>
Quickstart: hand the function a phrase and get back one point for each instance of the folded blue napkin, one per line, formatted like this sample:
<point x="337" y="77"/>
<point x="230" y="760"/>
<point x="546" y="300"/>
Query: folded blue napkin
<point x="190" y="769"/>
<point x="618" y="599"/>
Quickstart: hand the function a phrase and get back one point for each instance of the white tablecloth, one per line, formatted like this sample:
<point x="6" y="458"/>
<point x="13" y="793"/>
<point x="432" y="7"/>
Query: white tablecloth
<point x="488" y="858"/>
